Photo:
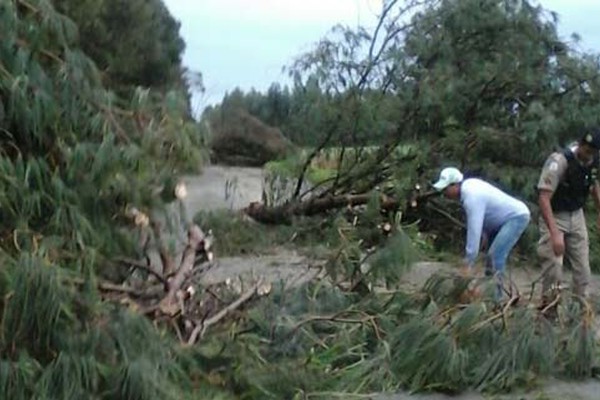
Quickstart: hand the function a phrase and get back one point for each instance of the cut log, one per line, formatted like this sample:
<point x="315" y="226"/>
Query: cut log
<point x="283" y="214"/>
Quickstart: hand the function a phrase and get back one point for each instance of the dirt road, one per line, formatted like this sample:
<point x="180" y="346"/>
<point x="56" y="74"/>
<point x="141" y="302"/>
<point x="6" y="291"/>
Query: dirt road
<point x="221" y="187"/>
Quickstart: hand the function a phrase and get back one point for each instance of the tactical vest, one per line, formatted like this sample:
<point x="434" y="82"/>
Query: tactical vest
<point x="573" y="190"/>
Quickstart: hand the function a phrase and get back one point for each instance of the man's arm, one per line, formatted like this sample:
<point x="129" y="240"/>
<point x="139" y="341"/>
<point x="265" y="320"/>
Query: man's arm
<point x="596" y="195"/>
<point x="552" y="173"/>
<point x="544" y="198"/>
<point x="475" y="213"/>
<point x="556" y="236"/>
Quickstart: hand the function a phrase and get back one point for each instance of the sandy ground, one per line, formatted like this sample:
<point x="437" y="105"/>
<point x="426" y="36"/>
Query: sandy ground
<point x="234" y="188"/>
<point x="220" y="187"/>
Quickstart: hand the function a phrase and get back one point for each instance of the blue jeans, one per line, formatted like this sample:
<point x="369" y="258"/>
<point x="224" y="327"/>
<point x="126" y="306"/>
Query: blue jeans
<point x="503" y="242"/>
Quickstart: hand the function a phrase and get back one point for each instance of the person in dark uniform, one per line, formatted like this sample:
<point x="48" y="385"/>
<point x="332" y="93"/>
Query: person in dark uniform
<point x="567" y="179"/>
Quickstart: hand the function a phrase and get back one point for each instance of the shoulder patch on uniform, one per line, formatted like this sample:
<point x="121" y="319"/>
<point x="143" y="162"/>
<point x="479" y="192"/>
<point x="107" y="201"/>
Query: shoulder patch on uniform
<point x="553" y="166"/>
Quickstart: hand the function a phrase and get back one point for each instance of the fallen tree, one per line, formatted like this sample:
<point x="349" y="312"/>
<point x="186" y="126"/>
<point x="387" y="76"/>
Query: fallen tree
<point x="284" y="213"/>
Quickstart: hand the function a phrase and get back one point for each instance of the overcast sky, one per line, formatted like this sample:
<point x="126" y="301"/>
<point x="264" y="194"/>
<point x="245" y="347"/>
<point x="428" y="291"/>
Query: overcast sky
<point x="245" y="43"/>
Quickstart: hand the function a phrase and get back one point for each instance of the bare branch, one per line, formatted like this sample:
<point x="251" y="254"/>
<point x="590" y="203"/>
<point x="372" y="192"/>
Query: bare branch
<point x="109" y="287"/>
<point x="143" y="266"/>
<point x="447" y="215"/>
<point x="313" y="154"/>
<point x="201" y="328"/>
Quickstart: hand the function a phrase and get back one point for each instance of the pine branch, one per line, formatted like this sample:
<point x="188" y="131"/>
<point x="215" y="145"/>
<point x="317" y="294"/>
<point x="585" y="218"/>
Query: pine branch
<point x="501" y="314"/>
<point x="336" y="318"/>
<point x="201" y="328"/>
<point x="341" y="395"/>
<point x="29" y="6"/>
<point x="447" y="215"/>
<point x="109" y="287"/>
<point x="45" y="52"/>
<point x="109" y="112"/>
<point x="551" y="305"/>
<point x="5" y="71"/>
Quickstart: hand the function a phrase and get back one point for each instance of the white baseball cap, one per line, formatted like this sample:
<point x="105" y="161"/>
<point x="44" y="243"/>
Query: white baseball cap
<point x="448" y="176"/>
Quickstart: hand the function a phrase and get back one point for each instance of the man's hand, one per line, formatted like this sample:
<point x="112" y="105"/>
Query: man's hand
<point x="466" y="271"/>
<point x="472" y="291"/>
<point x="558" y="243"/>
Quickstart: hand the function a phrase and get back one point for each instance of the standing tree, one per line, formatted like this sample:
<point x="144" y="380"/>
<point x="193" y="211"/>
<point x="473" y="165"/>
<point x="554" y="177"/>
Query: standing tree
<point x="73" y="158"/>
<point x="133" y="43"/>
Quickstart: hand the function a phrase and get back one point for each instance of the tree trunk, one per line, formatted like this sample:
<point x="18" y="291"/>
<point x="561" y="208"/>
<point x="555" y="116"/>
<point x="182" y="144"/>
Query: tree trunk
<point x="283" y="214"/>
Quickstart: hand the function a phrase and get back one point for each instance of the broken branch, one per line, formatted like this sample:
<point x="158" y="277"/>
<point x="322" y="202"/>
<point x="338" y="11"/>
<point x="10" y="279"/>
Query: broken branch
<point x="168" y="305"/>
<point x="201" y="328"/>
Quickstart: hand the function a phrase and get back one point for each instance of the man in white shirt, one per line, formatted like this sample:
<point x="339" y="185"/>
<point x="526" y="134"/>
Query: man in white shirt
<point x="490" y="212"/>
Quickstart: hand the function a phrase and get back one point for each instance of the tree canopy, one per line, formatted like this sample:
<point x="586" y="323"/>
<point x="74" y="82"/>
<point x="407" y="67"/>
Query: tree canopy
<point x="74" y="156"/>
<point x="477" y="92"/>
<point x="133" y="43"/>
